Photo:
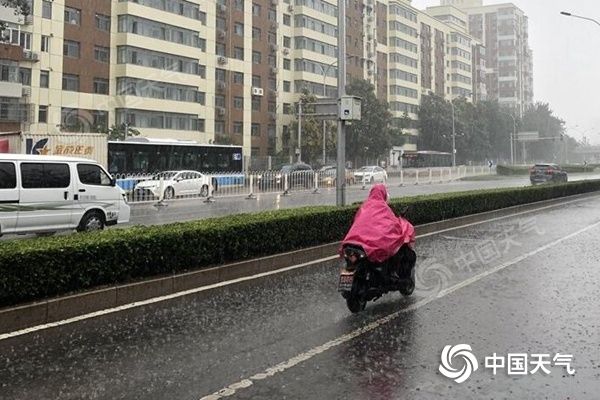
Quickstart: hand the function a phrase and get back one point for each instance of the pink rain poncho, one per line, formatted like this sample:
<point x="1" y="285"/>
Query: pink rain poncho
<point x="377" y="229"/>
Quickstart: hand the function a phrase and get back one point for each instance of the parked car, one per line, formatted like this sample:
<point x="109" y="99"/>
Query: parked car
<point x="370" y="174"/>
<point x="328" y="175"/>
<point x="45" y="194"/>
<point x="298" y="174"/>
<point x="541" y="173"/>
<point x="174" y="183"/>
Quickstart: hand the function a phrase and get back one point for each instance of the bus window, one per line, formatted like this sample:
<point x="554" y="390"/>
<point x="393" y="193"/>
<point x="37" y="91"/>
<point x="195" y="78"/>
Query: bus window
<point x="189" y="158"/>
<point x="118" y="162"/>
<point x="141" y="161"/>
<point x="175" y="159"/>
<point x="223" y="161"/>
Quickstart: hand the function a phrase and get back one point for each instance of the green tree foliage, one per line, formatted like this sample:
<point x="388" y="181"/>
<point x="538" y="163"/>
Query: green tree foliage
<point x="312" y="132"/>
<point x="483" y="130"/>
<point x="540" y="118"/>
<point x="371" y="137"/>
<point x="117" y="132"/>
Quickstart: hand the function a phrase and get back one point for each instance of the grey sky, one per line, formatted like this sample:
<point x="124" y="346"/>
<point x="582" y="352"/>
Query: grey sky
<point x="566" y="60"/>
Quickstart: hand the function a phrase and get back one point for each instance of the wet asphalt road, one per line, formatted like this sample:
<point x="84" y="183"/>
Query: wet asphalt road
<point x="192" y="209"/>
<point x="526" y="284"/>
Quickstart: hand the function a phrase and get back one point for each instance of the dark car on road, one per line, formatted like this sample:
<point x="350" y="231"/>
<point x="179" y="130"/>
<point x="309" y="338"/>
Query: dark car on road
<point x="542" y="173"/>
<point x="298" y="174"/>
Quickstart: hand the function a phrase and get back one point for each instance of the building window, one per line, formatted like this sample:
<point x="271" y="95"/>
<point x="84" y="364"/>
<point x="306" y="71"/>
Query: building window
<point x="238" y="102"/>
<point x="70" y="82"/>
<point x="287" y="86"/>
<point x="219" y="100"/>
<point x="256" y="57"/>
<point x="256" y="81"/>
<point x="47" y="9"/>
<point x="43" y="114"/>
<point x="220" y="75"/>
<point x="256" y="33"/>
<point x="238" y="29"/>
<point x="71" y="49"/>
<point x="25" y="76"/>
<point x="220" y="23"/>
<point x="287" y="41"/>
<point x="272" y="107"/>
<point x="255" y="129"/>
<point x="272" y="38"/>
<point x="287" y="64"/>
<point x="220" y="50"/>
<point x="287" y="20"/>
<point x="272" y="15"/>
<point x="238" y="127"/>
<point x="256" y="9"/>
<point x="44" y="79"/>
<point x="238" y="78"/>
<point x="238" y="53"/>
<point x="239" y="5"/>
<point x="220" y="127"/>
<point x="256" y="103"/>
<point x="201" y="98"/>
<point x="287" y="108"/>
<point x="272" y="61"/>
<point x="100" y="86"/>
<point x="101" y="54"/>
<point x="72" y="16"/>
<point x="103" y="22"/>
<point x="45" y="43"/>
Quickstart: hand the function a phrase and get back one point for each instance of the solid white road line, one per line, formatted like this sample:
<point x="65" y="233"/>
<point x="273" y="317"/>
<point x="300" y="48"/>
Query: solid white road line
<point x="153" y="300"/>
<point x="281" y="367"/>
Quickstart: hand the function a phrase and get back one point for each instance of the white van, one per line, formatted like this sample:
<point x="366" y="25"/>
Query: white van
<point x="43" y="194"/>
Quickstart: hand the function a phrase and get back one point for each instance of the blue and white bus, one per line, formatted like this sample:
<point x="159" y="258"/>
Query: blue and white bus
<point x="137" y="156"/>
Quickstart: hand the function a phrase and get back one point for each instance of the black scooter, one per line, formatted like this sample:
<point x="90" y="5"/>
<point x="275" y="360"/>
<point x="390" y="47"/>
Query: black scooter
<point x="362" y="280"/>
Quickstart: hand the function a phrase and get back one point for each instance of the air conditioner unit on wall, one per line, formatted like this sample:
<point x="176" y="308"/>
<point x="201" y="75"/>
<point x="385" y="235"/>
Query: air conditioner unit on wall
<point x="222" y="60"/>
<point x="256" y="91"/>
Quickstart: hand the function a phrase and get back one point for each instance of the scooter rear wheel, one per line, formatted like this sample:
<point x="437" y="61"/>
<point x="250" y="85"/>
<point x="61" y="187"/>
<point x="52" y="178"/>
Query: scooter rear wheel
<point x="355" y="304"/>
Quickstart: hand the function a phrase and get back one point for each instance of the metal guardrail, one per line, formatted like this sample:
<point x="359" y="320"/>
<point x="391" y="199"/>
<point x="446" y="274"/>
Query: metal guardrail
<point x="143" y="188"/>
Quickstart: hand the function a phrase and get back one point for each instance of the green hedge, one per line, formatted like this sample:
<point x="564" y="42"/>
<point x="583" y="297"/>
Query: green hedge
<point x="38" y="268"/>
<point x="524" y="169"/>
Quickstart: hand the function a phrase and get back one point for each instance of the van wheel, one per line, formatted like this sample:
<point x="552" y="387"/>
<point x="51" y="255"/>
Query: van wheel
<point x="204" y="191"/>
<point x="92" y="221"/>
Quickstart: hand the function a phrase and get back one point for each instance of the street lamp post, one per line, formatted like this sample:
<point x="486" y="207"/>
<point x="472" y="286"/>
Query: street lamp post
<point x="453" y="137"/>
<point x="325" y="70"/>
<point x="512" y="137"/>
<point x="340" y="182"/>
<point x="568" y="14"/>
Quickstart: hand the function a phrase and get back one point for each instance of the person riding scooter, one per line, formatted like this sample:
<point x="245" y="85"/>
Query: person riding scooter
<point x="384" y="237"/>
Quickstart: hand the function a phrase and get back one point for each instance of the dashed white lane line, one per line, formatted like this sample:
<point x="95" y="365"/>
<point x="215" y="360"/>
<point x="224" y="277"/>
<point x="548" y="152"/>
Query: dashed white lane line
<point x="281" y="367"/>
<point x="158" y="299"/>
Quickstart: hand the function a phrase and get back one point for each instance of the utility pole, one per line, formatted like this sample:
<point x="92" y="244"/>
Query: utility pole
<point x="299" y="150"/>
<point x="513" y="137"/>
<point x="340" y="182"/>
<point x="453" y="137"/>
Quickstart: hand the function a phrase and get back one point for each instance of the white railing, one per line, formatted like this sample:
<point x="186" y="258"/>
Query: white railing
<point x="144" y="188"/>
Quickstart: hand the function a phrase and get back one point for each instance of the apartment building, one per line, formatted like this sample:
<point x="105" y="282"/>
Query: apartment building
<point x="227" y="71"/>
<point x="503" y="30"/>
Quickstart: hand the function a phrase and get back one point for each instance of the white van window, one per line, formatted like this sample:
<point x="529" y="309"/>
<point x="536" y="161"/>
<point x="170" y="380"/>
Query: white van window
<point x="45" y="175"/>
<point x="8" y="176"/>
<point x="90" y="174"/>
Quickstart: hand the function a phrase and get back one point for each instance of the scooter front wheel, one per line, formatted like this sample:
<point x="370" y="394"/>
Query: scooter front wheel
<point x="355" y="304"/>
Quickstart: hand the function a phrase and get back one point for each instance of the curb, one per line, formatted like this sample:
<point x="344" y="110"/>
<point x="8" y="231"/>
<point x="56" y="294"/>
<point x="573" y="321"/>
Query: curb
<point x="57" y="309"/>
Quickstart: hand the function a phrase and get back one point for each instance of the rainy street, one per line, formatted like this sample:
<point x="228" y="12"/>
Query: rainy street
<point x="525" y="283"/>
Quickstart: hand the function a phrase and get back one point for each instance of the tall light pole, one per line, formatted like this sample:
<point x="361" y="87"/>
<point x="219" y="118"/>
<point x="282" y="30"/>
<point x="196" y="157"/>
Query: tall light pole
<point x="325" y="70"/>
<point x="453" y="137"/>
<point x="299" y="149"/>
<point x="340" y="182"/>
<point x="512" y="137"/>
<point x="568" y="14"/>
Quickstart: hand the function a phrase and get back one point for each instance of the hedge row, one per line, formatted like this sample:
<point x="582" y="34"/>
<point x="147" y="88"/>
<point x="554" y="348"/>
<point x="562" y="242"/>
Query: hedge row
<point x="524" y="169"/>
<point x="38" y="268"/>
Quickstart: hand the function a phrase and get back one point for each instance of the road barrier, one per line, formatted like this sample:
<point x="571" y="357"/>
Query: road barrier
<point x="149" y="188"/>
